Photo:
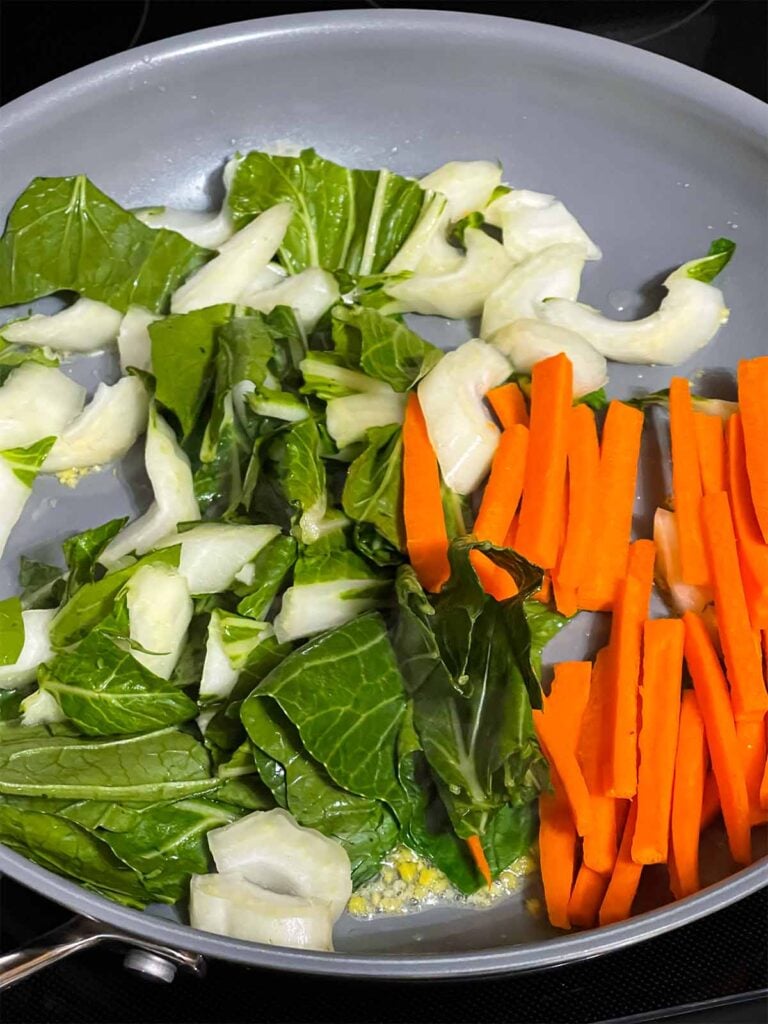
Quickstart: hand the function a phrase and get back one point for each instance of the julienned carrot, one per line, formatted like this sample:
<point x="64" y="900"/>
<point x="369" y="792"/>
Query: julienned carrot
<point x="714" y="704"/>
<point x="622" y="888"/>
<point x="617" y="476"/>
<point x="753" y="403"/>
<point x="687" y="798"/>
<point x="626" y="637"/>
<point x="753" y="551"/>
<point x="660" y="715"/>
<point x="481" y="861"/>
<point x="539" y="532"/>
<point x="710" y="801"/>
<point x="508" y="402"/>
<point x="751" y="737"/>
<point x="544" y="593"/>
<point x="557" y="852"/>
<point x="593" y="753"/>
<point x="583" y="469"/>
<point x="499" y="505"/>
<point x="425" y="532"/>
<point x="588" y="892"/>
<point x="742" y="655"/>
<point x="710" y="445"/>
<point x="557" y="726"/>
<point x="686" y="482"/>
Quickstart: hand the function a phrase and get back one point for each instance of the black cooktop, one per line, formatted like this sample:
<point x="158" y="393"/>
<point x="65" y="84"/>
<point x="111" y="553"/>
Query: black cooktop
<point x="720" y="961"/>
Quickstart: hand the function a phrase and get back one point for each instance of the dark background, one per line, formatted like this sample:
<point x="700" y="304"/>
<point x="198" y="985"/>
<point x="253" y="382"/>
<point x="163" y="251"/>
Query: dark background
<point x="721" y="958"/>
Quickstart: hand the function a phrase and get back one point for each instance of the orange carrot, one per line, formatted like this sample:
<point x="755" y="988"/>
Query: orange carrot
<point x="481" y="861"/>
<point x="557" y="852"/>
<point x="711" y="450"/>
<point x="742" y="655"/>
<point x="544" y="593"/>
<point x="753" y="551"/>
<point x="686" y="482"/>
<point x="538" y="536"/>
<point x="583" y="469"/>
<point x="425" y="532"/>
<point x="588" y="892"/>
<point x="751" y="737"/>
<point x="710" y="801"/>
<point x="600" y="843"/>
<point x="499" y="504"/>
<point x="687" y="797"/>
<point x="557" y="726"/>
<point x="617" y="476"/>
<point x="508" y="402"/>
<point x="622" y="888"/>
<point x="626" y="638"/>
<point x="712" y="694"/>
<point x="753" y="403"/>
<point x="660" y="715"/>
<point x="764" y="790"/>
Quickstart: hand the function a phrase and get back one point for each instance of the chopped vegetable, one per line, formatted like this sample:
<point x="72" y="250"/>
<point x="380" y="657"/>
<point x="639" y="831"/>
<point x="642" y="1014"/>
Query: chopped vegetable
<point x="508" y="403"/>
<point x="687" y="483"/>
<point x="526" y="342"/>
<point x="710" y="445"/>
<point x="35" y="402"/>
<point x="478" y="855"/>
<point x="425" y="531"/>
<point x="687" y="797"/>
<point x="751" y="737"/>
<point x="557" y="853"/>
<point x="753" y="404"/>
<point x="619" y="454"/>
<point x="532" y="221"/>
<point x="742" y="654"/>
<point x="587" y="895"/>
<point x="467" y="185"/>
<point x="659" y="714"/>
<point x="682" y="597"/>
<point x="752" y="549"/>
<point x="133" y="341"/>
<point x="19" y="468"/>
<point x="622" y="888"/>
<point x="712" y="694"/>
<point x="541" y="524"/>
<point x="85" y="326"/>
<point x="36" y="649"/>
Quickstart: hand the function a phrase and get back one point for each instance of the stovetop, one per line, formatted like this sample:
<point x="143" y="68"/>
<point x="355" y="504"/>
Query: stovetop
<point x="719" y="961"/>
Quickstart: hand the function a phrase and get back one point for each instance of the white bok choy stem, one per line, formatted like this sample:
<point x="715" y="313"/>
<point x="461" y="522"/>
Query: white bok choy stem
<point x="466" y="184"/>
<point x="85" y="326"/>
<point x="309" y="293"/>
<point x="231" y="642"/>
<point x="159" y="613"/>
<point x="19" y="468"/>
<point x="133" y="341"/>
<point x="312" y="608"/>
<point x="349" y="418"/>
<point x="36" y="401"/>
<point x="461" y="431"/>
<point x="105" y="430"/>
<point x="36" y="649"/>
<point x="527" y="342"/>
<point x="212" y="554"/>
<point x="532" y="221"/>
<point x="170" y="474"/>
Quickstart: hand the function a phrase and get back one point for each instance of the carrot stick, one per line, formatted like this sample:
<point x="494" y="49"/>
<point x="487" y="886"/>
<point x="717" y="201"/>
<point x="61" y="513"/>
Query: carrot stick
<point x="538" y="536"/>
<point x="588" y="892"/>
<point x="557" y="852"/>
<point x="426" y="535"/>
<point x="686" y="482"/>
<point x="687" y="797"/>
<point x="481" y="861"/>
<point x="544" y="593"/>
<point x="710" y="801"/>
<point x="557" y="727"/>
<point x="753" y="403"/>
<point x="593" y="751"/>
<point x="660" y="715"/>
<point x="508" y="402"/>
<point x="711" y="451"/>
<point x="498" y="507"/>
<point x="742" y="655"/>
<point x="751" y="737"/>
<point x="583" y="469"/>
<point x="617" y="476"/>
<point x="622" y="888"/>
<point x="712" y="693"/>
<point x="753" y="551"/>
<point x="626" y="638"/>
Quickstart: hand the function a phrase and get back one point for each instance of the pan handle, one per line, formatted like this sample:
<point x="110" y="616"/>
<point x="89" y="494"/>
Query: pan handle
<point x="80" y="933"/>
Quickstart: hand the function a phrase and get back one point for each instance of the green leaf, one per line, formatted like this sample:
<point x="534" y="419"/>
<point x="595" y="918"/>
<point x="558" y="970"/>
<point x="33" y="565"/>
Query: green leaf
<point x="343" y="219"/>
<point x="10" y="702"/>
<point x="248" y="792"/>
<point x="718" y="257"/>
<point x="374" y="484"/>
<point x="13" y="355"/>
<point x="364" y="826"/>
<point x="64" y="234"/>
<point x="597" y="400"/>
<point x="11" y="631"/>
<point x="472" y="220"/>
<point x="382" y="346"/>
<point x="105" y="691"/>
<point x="42" y="586"/>
<point x="466" y="661"/>
<point x="94" y="601"/>
<point x="270" y="569"/>
<point x="544" y="624"/>
<point x="26" y="462"/>
<point x="82" y="551"/>
<point x="509" y="834"/>
<point x="57" y="762"/>
<point x="183" y="354"/>
<point x="224" y="457"/>
<point x="349" y="717"/>
<point x="302" y="476"/>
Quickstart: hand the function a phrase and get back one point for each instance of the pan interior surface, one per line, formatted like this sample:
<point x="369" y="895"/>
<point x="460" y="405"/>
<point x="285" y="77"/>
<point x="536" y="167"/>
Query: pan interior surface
<point x="655" y="160"/>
